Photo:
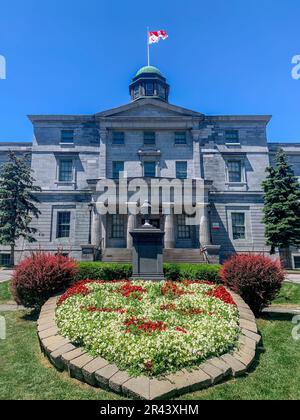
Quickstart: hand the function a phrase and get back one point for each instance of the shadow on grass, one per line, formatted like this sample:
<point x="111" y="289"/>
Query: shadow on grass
<point x="32" y="315"/>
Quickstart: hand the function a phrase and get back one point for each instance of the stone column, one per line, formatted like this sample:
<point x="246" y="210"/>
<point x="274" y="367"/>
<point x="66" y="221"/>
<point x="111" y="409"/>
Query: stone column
<point x="130" y="227"/>
<point x="103" y="133"/>
<point x="96" y="228"/>
<point x="169" y="231"/>
<point x="204" y="233"/>
<point x="196" y="153"/>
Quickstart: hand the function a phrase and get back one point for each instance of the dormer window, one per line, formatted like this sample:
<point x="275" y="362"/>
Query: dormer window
<point x="118" y="138"/>
<point x="232" y="137"/>
<point x="67" y="136"/>
<point x="149" y="138"/>
<point x="149" y="89"/>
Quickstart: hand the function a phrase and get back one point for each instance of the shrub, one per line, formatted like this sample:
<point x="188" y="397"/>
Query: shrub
<point x="40" y="276"/>
<point x="110" y="271"/>
<point x="103" y="271"/>
<point x="257" y="279"/>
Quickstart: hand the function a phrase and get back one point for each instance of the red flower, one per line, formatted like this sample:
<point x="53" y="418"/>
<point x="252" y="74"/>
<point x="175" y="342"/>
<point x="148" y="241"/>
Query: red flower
<point x="134" y="325"/>
<point x="128" y="290"/>
<point x="182" y="330"/>
<point x="222" y="294"/>
<point x="169" y="307"/>
<point x="149" y="365"/>
<point x="78" y="289"/>
<point x="108" y="310"/>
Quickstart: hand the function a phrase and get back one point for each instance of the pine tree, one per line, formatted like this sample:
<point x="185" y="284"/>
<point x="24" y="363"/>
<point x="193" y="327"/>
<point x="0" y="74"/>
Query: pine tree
<point x="281" y="205"/>
<point x="17" y="202"/>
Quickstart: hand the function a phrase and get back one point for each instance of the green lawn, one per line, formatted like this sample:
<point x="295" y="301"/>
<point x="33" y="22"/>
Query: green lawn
<point x="289" y="295"/>
<point x="25" y="374"/>
<point x="5" y="294"/>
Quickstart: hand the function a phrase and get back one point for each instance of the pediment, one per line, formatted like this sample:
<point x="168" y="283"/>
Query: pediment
<point x="148" y="108"/>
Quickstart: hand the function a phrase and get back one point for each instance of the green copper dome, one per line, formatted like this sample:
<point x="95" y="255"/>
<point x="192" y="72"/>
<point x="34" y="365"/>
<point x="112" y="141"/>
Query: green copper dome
<point x="148" y="69"/>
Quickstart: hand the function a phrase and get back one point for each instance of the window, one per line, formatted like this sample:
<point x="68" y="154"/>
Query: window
<point x="118" y="137"/>
<point x="180" y="138"/>
<point x="234" y="171"/>
<point x="136" y="91"/>
<point x="65" y="170"/>
<point x="296" y="263"/>
<point x="150" y="169"/>
<point x="67" y="136"/>
<point x="63" y="224"/>
<point x="181" y="170"/>
<point x="149" y="138"/>
<point x="238" y="226"/>
<point x="4" y="259"/>
<point x="149" y="89"/>
<point x="117" y="226"/>
<point x="118" y="167"/>
<point x="184" y="230"/>
<point x="232" y="136"/>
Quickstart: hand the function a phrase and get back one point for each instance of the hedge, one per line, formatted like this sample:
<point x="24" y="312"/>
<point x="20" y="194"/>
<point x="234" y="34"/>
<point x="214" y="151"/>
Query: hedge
<point x="116" y="271"/>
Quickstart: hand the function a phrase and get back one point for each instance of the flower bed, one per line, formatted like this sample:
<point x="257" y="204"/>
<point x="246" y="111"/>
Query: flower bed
<point x="149" y="328"/>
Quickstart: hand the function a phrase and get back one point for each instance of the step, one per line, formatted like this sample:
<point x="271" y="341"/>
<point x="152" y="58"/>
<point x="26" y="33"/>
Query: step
<point x="118" y="255"/>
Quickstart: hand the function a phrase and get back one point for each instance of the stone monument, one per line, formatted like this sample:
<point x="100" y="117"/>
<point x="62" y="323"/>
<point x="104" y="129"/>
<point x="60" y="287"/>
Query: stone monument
<point x="147" y="253"/>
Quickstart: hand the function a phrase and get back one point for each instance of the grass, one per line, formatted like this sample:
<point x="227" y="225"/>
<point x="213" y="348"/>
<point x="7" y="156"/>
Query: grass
<point x="26" y="374"/>
<point x="5" y="294"/>
<point x="289" y="295"/>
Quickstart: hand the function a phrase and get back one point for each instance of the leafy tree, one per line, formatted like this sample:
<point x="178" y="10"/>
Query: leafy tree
<point x="17" y="202"/>
<point x="281" y="205"/>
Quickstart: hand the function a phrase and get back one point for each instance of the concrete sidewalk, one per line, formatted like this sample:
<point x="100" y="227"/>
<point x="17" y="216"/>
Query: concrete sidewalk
<point x="293" y="278"/>
<point x="5" y="275"/>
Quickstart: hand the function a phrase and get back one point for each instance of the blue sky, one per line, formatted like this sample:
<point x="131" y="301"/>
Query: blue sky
<point x="222" y="57"/>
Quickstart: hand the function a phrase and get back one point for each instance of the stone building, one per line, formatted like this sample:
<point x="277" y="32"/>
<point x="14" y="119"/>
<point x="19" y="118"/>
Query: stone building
<point x="150" y="138"/>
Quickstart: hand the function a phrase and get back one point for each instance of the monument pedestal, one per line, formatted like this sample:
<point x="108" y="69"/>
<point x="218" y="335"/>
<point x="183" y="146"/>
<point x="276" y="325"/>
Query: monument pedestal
<point x="147" y="253"/>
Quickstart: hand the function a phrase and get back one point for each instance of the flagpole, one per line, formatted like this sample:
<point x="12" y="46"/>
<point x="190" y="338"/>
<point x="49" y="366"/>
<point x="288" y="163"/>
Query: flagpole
<point x="148" y="47"/>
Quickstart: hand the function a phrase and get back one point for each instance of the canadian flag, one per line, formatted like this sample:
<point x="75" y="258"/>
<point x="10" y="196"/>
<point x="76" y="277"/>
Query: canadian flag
<point x="155" y="36"/>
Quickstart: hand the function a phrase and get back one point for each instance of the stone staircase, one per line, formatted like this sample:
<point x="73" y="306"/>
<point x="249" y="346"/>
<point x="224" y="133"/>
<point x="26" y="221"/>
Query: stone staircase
<point x="117" y="255"/>
<point x="176" y="255"/>
<point x="183" y="255"/>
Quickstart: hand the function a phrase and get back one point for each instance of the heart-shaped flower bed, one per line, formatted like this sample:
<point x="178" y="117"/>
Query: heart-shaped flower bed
<point x="149" y="328"/>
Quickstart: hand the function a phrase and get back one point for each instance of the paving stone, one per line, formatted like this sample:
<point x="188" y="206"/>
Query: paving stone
<point x="248" y="350"/>
<point x="190" y="381"/>
<point x="117" y="380"/>
<point x="251" y="335"/>
<point x="50" y="332"/>
<point x="237" y="367"/>
<point x="46" y="318"/>
<point x="76" y="365"/>
<point x="249" y="342"/>
<point x="161" y="389"/>
<point x="55" y="356"/>
<point x="222" y="365"/>
<point x="53" y="343"/>
<point x="247" y="316"/>
<point x="103" y="375"/>
<point x="246" y="359"/>
<point x="214" y="372"/>
<point x="43" y="327"/>
<point x="67" y="357"/>
<point x="137" y="388"/>
<point x="248" y="325"/>
<point x="92" y="367"/>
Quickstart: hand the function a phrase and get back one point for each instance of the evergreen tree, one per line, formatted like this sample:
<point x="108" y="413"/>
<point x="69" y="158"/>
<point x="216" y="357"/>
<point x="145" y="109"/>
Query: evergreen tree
<point x="281" y="205"/>
<point x="17" y="202"/>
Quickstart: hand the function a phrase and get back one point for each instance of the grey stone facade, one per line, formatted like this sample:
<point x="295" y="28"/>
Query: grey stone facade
<point x="228" y="154"/>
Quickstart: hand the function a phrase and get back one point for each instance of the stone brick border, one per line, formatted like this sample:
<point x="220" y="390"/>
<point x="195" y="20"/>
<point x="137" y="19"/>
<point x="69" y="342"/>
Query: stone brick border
<point x="99" y="372"/>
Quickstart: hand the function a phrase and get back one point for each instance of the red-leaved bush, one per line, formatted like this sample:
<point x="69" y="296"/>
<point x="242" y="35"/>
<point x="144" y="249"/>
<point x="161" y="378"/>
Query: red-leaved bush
<point x="257" y="279"/>
<point x="41" y="276"/>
